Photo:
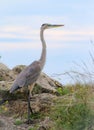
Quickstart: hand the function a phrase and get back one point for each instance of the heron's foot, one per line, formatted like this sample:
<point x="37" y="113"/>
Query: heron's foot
<point x="29" y="121"/>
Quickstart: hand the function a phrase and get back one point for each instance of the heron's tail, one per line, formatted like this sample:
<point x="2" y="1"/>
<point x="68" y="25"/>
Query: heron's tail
<point x="14" y="88"/>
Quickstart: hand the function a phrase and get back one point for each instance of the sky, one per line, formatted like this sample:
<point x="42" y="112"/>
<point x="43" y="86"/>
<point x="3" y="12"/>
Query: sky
<point x="20" y="22"/>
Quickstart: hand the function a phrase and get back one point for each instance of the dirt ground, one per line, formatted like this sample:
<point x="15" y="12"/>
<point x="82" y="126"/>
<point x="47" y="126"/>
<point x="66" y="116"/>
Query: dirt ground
<point x="7" y="123"/>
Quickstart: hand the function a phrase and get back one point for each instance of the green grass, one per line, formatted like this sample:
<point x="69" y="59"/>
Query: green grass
<point x="34" y="128"/>
<point x="63" y="91"/>
<point x="4" y="108"/>
<point x="37" y="115"/>
<point x="31" y="129"/>
<point x="18" y="122"/>
<point x="1" y="78"/>
<point x="73" y="110"/>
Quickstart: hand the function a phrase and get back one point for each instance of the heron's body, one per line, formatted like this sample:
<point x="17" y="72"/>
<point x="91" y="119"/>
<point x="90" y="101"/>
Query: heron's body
<point x="27" y="77"/>
<point x="30" y="74"/>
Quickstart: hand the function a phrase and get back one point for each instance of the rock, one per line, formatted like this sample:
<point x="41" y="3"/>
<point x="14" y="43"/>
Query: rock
<point x="5" y="85"/>
<point x="39" y="103"/>
<point x="46" y="124"/>
<point x="1" y="124"/>
<point x="42" y="128"/>
<point x="3" y="67"/>
<point x="7" y="123"/>
<point x="44" y="81"/>
<point x="47" y="83"/>
<point x="5" y="73"/>
<point x="18" y="69"/>
<point x="42" y="102"/>
<point x="44" y="84"/>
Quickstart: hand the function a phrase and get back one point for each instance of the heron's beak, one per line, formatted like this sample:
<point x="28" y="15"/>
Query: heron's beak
<point x="55" y="26"/>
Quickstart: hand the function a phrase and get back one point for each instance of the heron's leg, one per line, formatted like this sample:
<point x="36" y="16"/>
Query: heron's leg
<point x="29" y="96"/>
<point x="29" y="121"/>
<point x="29" y="108"/>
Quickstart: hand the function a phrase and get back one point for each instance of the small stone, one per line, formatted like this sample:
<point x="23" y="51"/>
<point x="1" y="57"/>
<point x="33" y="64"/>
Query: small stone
<point x="1" y="124"/>
<point x="42" y="128"/>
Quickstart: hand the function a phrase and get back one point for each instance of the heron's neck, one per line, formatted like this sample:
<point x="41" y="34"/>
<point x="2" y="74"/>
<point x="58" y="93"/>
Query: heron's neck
<point x="43" y="54"/>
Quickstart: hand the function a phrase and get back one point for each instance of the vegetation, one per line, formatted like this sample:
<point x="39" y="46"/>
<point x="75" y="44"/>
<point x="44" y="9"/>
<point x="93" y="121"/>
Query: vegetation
<point x="18" y="122"/>
<point x="4" y="108"/>
<point x="33" y="128"/>
<point x="74" y="109"/>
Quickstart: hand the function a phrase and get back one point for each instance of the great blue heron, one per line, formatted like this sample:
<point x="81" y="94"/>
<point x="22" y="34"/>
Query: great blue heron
<point x="30" y="74"/>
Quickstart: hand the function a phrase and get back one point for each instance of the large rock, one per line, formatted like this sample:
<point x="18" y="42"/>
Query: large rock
<point x="47" y="83"/>
<point x="17" y="69"/>
<point x="44" y="81"/>
<point x="44" y="84"/>
<point x="41" y="100"/>
<point x="5" y="73"/>
<point x="3" y="67"/>
<point x="39" y="103"/>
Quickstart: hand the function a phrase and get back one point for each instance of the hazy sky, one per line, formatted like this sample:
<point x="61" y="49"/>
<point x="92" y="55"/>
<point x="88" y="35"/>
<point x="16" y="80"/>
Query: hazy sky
<point x="20" y="22"/>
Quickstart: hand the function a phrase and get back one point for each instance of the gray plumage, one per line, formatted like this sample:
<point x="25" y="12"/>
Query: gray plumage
<point x="27" y="77"/>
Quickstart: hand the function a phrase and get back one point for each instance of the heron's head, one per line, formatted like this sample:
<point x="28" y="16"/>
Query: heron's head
<point x="48" y="26"/>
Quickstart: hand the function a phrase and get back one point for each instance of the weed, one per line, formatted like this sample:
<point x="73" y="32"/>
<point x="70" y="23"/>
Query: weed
<point x="18" y="122"/>
<point x="63" y="91"/>
<point x="37" y="115"/>
<point x="34" y="128"/>
<point x="72" y="112"/>
<point x="1" y="78"/>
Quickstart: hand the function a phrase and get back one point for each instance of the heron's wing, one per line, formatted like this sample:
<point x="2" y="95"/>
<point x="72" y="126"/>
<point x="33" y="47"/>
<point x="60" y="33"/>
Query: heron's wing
<point x="30" y="74"/>
<point x="27" y="77"/>
<point x="18" y="82"/>
<point x="33" y="72"/>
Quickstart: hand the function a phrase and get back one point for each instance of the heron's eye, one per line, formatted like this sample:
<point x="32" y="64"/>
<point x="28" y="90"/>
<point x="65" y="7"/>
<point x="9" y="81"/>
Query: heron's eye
<point x="43" y="24"/>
